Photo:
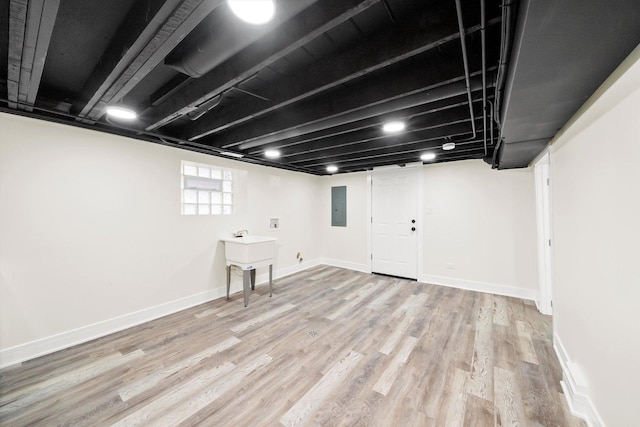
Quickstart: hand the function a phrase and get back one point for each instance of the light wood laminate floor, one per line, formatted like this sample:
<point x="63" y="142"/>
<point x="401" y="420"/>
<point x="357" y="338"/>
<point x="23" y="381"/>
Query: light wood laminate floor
<point x="332" y="347"/>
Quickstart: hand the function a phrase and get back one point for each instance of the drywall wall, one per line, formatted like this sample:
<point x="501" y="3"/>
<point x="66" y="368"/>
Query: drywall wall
<point x="346" y="246"/>
<point x="596" y="210"/>
<point x="92" y="240"/>
<point x="479" y="220"/>
<point x="90" y="229"/>
<point x="479" y="228"/>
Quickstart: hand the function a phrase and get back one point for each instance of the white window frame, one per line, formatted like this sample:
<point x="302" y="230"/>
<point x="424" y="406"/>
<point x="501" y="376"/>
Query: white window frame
<point x="206" y="189"/>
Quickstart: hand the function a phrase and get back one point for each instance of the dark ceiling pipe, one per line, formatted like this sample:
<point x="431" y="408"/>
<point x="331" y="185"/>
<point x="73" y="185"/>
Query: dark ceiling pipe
<point x="228" y="38"/>
<point x="465" y="62"/>
<point x="483" y="21"/>
<point x="505" y="49"/>
<point x="424" y="97"/>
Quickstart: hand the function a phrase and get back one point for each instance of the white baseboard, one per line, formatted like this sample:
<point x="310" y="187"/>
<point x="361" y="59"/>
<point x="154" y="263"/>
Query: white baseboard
<point x="31" y="350"/>
<point x="471" y="285"/>
<point x="575" y="388"/>
<point x="364" y="268"/>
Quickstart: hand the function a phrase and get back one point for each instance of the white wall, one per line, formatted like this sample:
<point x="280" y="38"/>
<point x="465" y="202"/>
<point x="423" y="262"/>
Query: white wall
<point x="90" y="230"/>
<point x="482" y="223"/>
<point x="595" y="164"/>
<point x="347" y="246"/>
<point x="92" y="240"/>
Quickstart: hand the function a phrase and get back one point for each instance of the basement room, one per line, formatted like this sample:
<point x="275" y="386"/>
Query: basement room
<point x="319" y="213"/>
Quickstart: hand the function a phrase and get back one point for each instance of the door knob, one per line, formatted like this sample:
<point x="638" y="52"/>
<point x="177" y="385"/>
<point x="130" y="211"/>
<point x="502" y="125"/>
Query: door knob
<point x="413" y="221"/>
<point x="413" y="229"/>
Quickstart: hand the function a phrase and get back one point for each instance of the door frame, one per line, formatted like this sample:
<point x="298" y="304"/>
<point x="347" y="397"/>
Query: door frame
<point x="419" y="219"/>
<point x="544" y="228"/>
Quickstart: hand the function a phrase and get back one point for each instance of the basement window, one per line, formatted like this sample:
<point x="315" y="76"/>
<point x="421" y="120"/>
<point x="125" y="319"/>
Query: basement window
<point x="206" y="190"/>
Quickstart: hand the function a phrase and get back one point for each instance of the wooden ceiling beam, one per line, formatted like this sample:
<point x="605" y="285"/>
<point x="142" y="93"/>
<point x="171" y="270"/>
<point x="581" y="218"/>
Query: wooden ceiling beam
<point x="436" y="77"/>
<point x="437" y="124"/>
<point x="378" y="52"/>
<point x="306" y="26"/>
<point x="472" y="150"/>
<point x="363" y="125"/>
<point x="426" y="138"/>
<point x="31" y="25"/>
<point x="150" y="32"/>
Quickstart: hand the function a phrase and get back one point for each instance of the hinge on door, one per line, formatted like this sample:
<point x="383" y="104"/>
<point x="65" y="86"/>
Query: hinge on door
<point x="549" y="242"/>
<point x="551" y="302"/>
<point x="372" y="256"/>
<point x="547" y="181"/>
<point x="371" y="220"/>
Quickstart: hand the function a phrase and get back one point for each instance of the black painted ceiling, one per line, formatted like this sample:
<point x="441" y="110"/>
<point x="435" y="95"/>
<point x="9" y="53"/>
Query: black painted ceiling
<point x="316" y="83"/>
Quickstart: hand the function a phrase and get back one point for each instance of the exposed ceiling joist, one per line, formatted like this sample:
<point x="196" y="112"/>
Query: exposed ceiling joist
<point x="142" y="22"/>
<point x="374" y="137"/>
<point x="383" y="50"/>
<point x="30" y="25"/>
<point x="345" y="131"/>
<point x="309" y="24"/>
<point x="432" y="137"/>
<point x="156" y="38"/>
<point x="473" y="149"/>
<point x="412" y="86"/>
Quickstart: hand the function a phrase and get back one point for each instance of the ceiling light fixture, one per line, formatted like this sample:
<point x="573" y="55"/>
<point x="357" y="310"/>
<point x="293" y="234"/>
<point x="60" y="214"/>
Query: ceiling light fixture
<point x="332" y="169"/>
<point x="428" y="156"/>
<point x="448" y="146"/>
<point x="393" y="127"/>
<point x="272" y="154"/>
<point x="230" y="154"/>
<point x="253" y="11"/>
<point x="122" y="113"/>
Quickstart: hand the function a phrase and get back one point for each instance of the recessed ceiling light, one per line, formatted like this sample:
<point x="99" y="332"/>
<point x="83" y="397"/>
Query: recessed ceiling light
<point x="332" y="169"/>
<point x="272" y="154"/>
<point x="121" y="113"/>
<point x="253" y="11"/>
<point x="393" y="126"/>
<point x="428" y="156"/>
<point x="230" y="154"/>
<point x="448" y="146"/>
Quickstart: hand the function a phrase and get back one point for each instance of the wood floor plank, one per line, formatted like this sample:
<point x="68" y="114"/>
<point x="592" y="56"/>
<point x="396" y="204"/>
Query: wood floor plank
<point x="381" y="300"/>
<point x="456" y="404"/>
<point x="500" y="311"/>
<point x="399" y="330"/>
<point x="147" y="415"/>
<point x="331" y="347"/>
<point x="391" y="373"/>
<point x="28" y="395"/>
<point x="481" y="376"/>
<point x="354" y="300"/>
<point x="478" y="412"/>
<point x="149" y="381"/>
<point x="210" y="393"/>
<point x="305" y="407"/>
<point x="525" y="344"/>
<point x="263" y="317"/>
<point x="509" y="410"/>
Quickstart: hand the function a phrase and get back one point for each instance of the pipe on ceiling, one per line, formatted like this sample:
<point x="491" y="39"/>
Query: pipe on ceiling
<point x="505" y="49"/>
<point x="483" y="20"/>
<point x="424" y="97"/>
<point x="465" y="62"/>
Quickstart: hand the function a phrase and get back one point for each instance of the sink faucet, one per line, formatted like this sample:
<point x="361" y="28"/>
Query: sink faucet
<point x="241" y="233"/>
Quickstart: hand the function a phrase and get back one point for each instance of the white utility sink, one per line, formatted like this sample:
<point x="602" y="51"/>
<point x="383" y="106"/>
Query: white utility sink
<point x="250" y="252"/>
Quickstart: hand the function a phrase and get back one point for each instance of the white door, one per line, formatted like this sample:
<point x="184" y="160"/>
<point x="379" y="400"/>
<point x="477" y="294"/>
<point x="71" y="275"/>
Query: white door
<point x="543" y="213"/>
<point x="394" y="223"/>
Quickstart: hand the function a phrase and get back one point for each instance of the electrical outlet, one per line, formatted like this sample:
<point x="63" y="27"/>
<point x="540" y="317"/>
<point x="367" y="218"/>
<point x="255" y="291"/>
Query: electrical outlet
<point x="451" y="266"/>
